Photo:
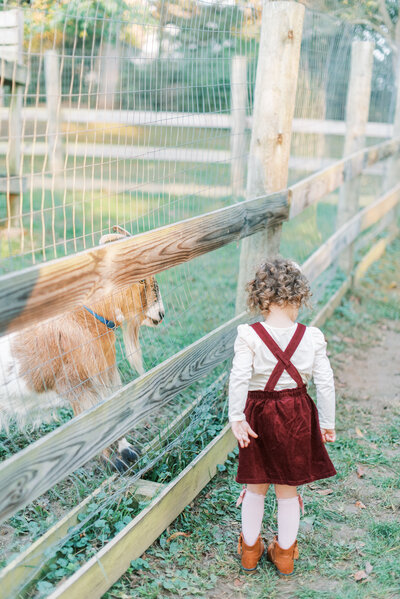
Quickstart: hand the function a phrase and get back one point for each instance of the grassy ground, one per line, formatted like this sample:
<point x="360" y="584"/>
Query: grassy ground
<point x="350" y="535"/>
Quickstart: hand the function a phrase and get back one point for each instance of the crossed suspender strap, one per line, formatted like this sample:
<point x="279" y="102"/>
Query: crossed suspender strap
<point x="283" y="357"/>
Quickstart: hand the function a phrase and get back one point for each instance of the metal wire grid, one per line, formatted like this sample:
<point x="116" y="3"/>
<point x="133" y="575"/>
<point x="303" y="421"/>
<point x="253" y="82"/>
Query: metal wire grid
<point x="100" y="173"/>
<point x="138" y="174"/>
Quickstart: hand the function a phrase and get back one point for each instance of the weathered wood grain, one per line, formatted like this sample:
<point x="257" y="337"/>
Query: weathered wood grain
<point x="60" y="285"/>
<point x="271" y="134"/>
<point x="311" y="189"/>
<point x="331" y="249"/>
<point x="35" y="469"/>
<point x="27" y="566"/>
<point x="104" y="568"/>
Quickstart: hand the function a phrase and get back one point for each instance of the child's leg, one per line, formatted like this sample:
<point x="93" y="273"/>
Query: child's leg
<point x="288" y="515"/>
<point x="252" y="512"/>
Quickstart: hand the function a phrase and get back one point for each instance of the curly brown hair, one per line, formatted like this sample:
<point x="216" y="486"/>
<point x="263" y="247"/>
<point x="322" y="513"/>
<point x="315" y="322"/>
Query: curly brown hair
<point x="277" y="281"/>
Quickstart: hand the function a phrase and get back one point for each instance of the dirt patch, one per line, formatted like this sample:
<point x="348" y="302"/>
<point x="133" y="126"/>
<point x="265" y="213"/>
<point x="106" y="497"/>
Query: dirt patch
<point x="372" y="376"/>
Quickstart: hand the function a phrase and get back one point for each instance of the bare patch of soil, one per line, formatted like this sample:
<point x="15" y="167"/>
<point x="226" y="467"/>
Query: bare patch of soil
<point x="373" y="376"/>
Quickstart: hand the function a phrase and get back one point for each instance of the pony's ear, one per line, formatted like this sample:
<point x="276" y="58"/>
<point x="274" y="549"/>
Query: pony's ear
<point x="109" y="237"/>
<point x="121" y="230"/>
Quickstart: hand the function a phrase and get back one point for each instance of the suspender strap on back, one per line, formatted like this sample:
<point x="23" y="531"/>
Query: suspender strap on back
<point x="283" y="357"/>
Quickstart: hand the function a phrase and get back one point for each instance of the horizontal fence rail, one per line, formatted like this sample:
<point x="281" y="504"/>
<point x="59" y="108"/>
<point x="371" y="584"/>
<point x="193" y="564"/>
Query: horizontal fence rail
<point x="114" y="558"/>
<point x="313" y="188"/>
<point x="52" y="288"/>
<point x="37" y="468"/>
<point x="27" y="565"/>
<point x="327" y="253"/>
<point x="60" y="285"/>
<point x="146" y="118"/>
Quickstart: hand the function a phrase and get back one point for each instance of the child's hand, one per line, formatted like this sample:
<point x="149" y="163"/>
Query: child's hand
<point x="328" y="435"/>
<point x="241" y="430"/>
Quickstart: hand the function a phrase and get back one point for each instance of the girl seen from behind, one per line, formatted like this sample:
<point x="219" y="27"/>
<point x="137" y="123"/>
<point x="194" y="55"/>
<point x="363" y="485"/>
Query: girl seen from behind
<point x="280" y="431"/>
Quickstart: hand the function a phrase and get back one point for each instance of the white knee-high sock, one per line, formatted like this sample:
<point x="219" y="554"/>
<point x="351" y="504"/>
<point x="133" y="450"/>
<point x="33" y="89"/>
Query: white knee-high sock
<point x="288" y="521"/>
<point x="252" y="515"/>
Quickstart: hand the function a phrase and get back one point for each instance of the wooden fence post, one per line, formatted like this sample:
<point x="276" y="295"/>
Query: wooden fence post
<point x="109" y="72"/>
<point x="392" y="173"/>
<point x="13" y="160"/>
<point x="53" y="102"/>
<point x="357" y="108"/>
<point x="238" y="126"/>
<point x="274" y="101"/>
<point x="15" y="21"/>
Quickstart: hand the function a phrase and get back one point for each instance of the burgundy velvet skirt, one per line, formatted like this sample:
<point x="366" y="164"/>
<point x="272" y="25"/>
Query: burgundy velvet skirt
<point x="289" y="449"/>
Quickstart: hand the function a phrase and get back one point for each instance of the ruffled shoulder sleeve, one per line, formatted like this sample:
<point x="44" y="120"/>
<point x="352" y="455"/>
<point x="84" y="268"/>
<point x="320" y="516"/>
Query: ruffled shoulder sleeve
<point x="244" y="332"/>
<point x="318" y="338"/>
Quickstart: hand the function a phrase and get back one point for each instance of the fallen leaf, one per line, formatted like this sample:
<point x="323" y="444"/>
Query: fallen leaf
<point x="392" y="285"/>
<point x="360" y="505"/>
<point x="237" y="582"/>
<point x="177" y="534"/>
<point x="360" y="471"/>
<point x="360" y="575"/>
<point x="360" y="544"/>
<point x="325" y="491"/>
<point x="368" y="568"/>
<point x="358" y="432"/>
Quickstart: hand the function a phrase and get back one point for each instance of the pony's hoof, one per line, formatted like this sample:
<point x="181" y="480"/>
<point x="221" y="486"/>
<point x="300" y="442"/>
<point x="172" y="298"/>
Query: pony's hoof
<point x="130" y="454"/>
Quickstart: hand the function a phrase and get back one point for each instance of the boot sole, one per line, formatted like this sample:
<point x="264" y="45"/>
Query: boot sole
<point x="282" y="575"/>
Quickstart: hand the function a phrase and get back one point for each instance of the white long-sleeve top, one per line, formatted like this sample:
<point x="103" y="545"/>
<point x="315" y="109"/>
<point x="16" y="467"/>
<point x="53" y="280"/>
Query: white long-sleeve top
<point x="253" y="363"/>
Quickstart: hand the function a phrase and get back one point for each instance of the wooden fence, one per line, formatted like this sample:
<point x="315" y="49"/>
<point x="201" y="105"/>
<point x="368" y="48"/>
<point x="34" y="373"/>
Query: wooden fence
<point x="45" y="291"/>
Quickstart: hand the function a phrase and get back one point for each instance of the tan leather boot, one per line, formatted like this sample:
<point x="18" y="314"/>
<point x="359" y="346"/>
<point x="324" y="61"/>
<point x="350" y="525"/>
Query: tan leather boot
<point x="282" y="558"/>
<point x="250" y="553"/>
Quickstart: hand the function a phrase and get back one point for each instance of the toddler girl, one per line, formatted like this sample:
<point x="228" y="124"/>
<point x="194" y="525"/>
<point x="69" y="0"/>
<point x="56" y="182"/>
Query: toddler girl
<point x="280" y="431"/>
